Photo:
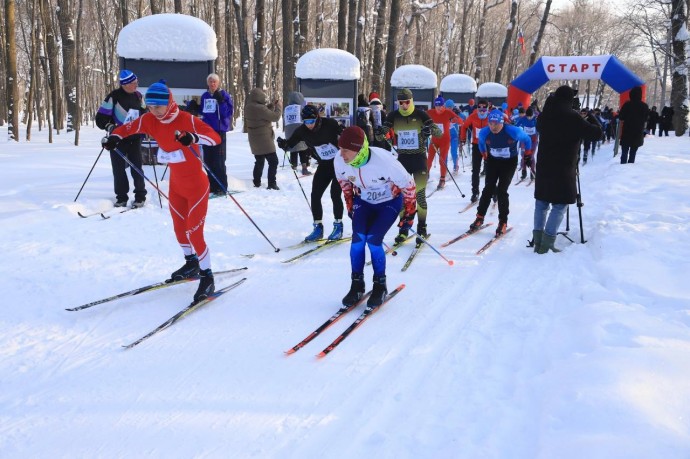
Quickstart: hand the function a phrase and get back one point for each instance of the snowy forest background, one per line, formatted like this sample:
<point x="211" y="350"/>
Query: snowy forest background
<point x="60" y="57"/>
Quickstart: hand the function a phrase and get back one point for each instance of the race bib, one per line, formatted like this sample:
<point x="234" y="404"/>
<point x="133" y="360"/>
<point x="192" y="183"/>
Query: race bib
<point x="292" y="115"/>
<point x="530" y="130"/>
<point x="377" y="194"/>
<point x="210" y="105"/>
<point x="440" y="126"/>
<point x="408" y="140"/>
<point x="165" y="157"/>
<point x="132" y="114"/>
<point x="326" y="151"/>
<point x="377" y="117"/>
<point x="500" y="152"/>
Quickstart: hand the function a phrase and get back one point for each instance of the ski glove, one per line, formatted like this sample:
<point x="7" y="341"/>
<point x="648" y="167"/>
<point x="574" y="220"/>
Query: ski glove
<point x="485" y="155"/>
<point x="379" y="130"/>
<point x="406" y="221"/>
<point x="186" y="138"/>
<point x="218" y="96"/>
<point x="528" y="152"/>
<point x="109" y="127"/>
<point x="110" y="142"/>
<point x="282" y="143"/>
<point x="426" y="131"/>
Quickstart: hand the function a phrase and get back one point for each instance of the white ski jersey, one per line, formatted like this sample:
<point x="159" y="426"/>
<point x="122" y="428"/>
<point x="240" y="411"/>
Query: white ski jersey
<point x="381" y="179"/>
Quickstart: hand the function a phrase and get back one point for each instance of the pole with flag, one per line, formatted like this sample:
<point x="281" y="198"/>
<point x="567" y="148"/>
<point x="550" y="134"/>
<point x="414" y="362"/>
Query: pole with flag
<point x="521" y="40"/>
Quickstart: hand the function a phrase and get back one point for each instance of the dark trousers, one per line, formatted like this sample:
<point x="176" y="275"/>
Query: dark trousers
<point x="214" y="157"/>
<point x="628" y="154"/>
<point x="499" y="173"/>
<point x="476" y="167"/>
<point x="302" y="156"/>
<point x="324" y="176"/>
<point x="132" y="150"/>
<point x="259" y="160"/>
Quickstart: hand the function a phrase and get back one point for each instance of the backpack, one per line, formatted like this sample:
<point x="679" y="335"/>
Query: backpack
<point x="362" y="121"/>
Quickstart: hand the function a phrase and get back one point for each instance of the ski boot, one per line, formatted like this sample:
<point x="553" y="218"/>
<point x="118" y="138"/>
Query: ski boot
<point x="378" y="292"/>
<point x="273" y="186"/>
<point x="456" y="169"/>
<point x="475" y="196"/>
<point x="206" y="285"/>
<point x="421" y="233"/>
<point x="188" y="270"/>
<point x="138" y="204"/>
<point x="524" y="174"/>
<point x="501" y="228"/>
<point x="356" y="290"/>
<point x="337" y="232"/>
<point x="401" y="237"/>
<point x="478" y="222"/>
<point x="305" y="171"/>
<point x="316" y="234"/>
<point x="441" y="183"/>
<point x="121" y="203"/>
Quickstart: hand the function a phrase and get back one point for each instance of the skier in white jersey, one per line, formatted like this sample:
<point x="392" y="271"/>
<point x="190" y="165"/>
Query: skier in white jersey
<point x="376" y="187"/>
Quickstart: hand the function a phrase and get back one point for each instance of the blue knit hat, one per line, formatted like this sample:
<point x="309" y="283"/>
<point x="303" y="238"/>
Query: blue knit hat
<point x="126" y="77"/>
<point x="450" y="103"/>
<point x="157" y="94"/>
<point x="496" y="116"/>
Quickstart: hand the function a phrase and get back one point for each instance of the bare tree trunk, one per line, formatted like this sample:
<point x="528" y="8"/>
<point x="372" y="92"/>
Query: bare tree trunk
<point x="679" y="74"/>
<point x="11" y="71"/>
<point x="123" y="12"/>
<point x="479" y="53"/>
<point x="351" y="26"/>
<point x="288" y="64"/>
<point x="304" y="26"/>
<point x="259" y="44"/>
<point x="69" y="64"/>
<point x="342" y="23"/>
<point x="178" y="6"/>
<point x="506" y="42"/>
<point x="155" y="7"/>
<point x="33" y="72"/>
<point x="466" y="7"/>
<point x="534" y="50"/>
<point x="391" y="47"/>
<point x="379" y="46"/>
<point x="360" y="30"/>
<point x="241" y="19"/>
<point x="77" y="85"/>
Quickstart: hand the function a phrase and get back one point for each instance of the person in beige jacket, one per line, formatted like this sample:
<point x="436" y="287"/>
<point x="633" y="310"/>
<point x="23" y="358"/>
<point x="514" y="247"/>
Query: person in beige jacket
<point x="258" y="119"/>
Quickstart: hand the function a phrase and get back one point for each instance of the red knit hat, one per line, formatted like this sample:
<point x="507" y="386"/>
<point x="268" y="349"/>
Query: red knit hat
<point x="352" y="138"/>
<point x="374" y="98"/>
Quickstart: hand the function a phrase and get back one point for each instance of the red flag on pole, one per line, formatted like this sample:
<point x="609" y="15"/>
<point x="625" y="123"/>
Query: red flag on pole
<point x="521" y="40"/>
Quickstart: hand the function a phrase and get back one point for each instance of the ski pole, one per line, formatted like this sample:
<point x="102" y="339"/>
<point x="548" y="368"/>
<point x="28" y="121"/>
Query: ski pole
<point x="300" y="185"/>
<point x="140" y="172"/>
<point x="579" y="205"/>
<point x="453" y="178"/>
<point x="89" y="174"/>
<point x="177" y="133"/>
<point x="450" y="262"/>
<point x="155" y="175"/>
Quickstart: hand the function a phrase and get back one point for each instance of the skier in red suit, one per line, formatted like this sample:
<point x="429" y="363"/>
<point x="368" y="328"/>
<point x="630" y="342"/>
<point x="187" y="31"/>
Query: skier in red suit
<point x="178" y="135"/>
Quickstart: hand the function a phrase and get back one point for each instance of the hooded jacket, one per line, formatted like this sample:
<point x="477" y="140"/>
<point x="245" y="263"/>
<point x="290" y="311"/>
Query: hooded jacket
<point x="297" y="99"/>
<point x="258" y="119"/>
<point x="561" y="129"/>
<point x="634" y="114"/>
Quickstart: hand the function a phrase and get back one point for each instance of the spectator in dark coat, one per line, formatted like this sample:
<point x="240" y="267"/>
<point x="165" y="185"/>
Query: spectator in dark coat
<point x="561" y="129"/>
<point x="652" y="121"/>
<point x="665" y="121"/>
<point x="258" y="119"/>
<point x="633" y="115"/>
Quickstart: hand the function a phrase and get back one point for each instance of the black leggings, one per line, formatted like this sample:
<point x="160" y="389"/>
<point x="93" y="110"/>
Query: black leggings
<point x="325" y="175"/>
<point x="499" y="173"/>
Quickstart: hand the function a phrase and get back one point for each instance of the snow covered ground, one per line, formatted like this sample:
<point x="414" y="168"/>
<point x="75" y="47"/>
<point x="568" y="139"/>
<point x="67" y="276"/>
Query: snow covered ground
<point x="582" y="354"/>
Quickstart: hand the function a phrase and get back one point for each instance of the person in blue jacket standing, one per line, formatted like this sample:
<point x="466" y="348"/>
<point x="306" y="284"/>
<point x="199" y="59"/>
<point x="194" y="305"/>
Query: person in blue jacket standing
<point x="498" y="144"/>
<point x="216" y="111"/>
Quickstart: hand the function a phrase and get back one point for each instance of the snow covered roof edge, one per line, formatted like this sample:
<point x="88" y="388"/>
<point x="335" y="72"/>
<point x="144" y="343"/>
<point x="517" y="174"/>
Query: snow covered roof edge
<point x="328" y="64"/>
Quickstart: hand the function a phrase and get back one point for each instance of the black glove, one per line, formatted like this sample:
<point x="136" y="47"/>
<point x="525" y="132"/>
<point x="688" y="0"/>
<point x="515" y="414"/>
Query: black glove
<point x="186" y="138"/>
<point x="110" y="142"/>
<point x="379" y="130"/>
<point x="109" y="127"/>
<point x="406" y="222"/>
<point x="426" y="131"/>
<point x="282" y="143"/>
<point x="218" y="96"/>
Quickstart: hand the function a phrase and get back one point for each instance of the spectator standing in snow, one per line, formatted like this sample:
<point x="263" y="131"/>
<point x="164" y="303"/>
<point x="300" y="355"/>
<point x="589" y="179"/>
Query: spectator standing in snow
<point x="633" y="115"/>
<point x="292" y="119"/>
<point x="652" y="121"/>
<point x="258" y="119"/>
<point x="121" y="106"/>
<point x="665" y="120"/>
<point x="216" y="110"/>
<point x="561" y="129"/>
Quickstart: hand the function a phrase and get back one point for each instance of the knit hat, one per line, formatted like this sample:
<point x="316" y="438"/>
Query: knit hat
<point x="496" y="116"/>
<point x="470" y="102"/>
<point x="126" y="77"/>
<point x="310" y="112"/>
<point x="439" y="101"/>
<point x="374" y="98"/>
<point x="404" y="94"/>
<point x="352" y="138"/>
<point x="450" y="103"/>
<point x="157" y="94"/>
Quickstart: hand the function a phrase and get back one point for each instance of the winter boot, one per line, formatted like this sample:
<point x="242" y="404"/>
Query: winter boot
<point x="316" y="234"/>
<point x="501" y="228"/>
<point x="138" y="204"/>
<point x="378" y="292"/>
<point x="421" y="232"/>
<point x="337" y="232"/>
<point x="305" y="171"/>
<point x="536" y="239"/>
<point x="257" y="183"/>
<point x="190" y="269"/>
<point x="121" y="203"/>
<point x="478" y="222"/>
<point x="356" y="290"/>
<point x="273" y="186"/>
<point x="206" y="285"/>
<point x="401" y="237"/>
<point x="547" y="243"/>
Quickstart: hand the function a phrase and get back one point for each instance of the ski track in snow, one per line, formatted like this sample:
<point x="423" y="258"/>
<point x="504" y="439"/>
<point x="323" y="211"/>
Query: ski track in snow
<point x="504" y="355"/>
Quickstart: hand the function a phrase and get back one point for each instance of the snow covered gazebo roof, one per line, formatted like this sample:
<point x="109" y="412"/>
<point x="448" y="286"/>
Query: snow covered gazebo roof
<point x="168" y="37"/>
<point x="328" y="64"/>
<point x="492" y="90"/>
<point x="414" y="76"/>
<point x="458" y="83"/>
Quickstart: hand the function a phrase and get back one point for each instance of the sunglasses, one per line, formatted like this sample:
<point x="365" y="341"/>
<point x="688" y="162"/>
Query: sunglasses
<point x="482" y="108"/>
<point x="310" y="121"/>
<point x="404" y="102"/>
